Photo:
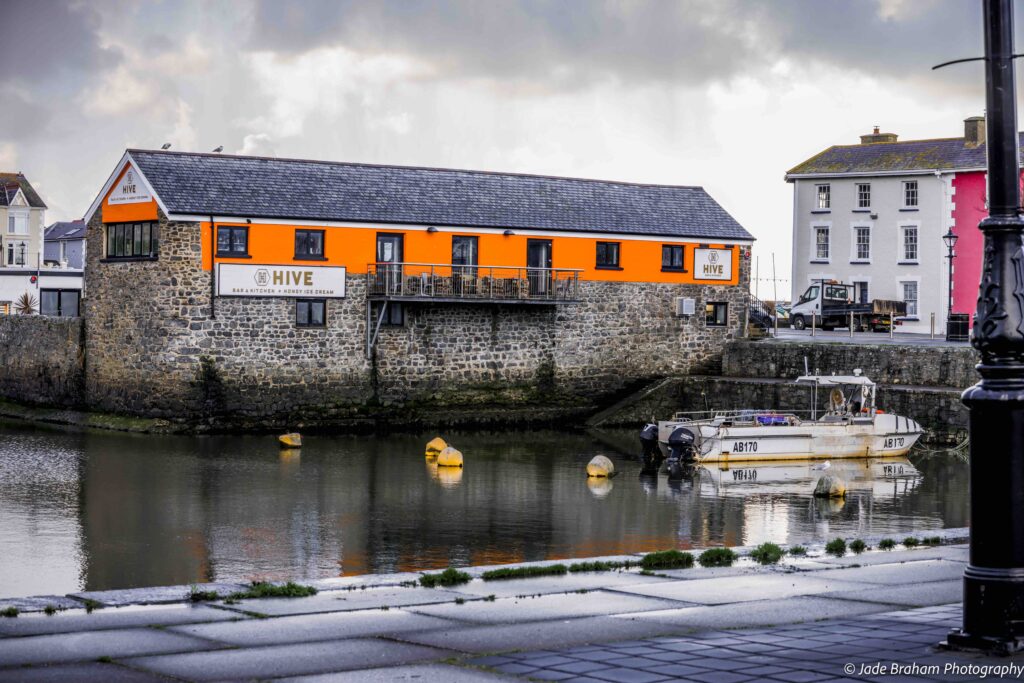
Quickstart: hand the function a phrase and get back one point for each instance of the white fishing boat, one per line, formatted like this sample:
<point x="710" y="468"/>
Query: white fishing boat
<point x="851" y="427"/>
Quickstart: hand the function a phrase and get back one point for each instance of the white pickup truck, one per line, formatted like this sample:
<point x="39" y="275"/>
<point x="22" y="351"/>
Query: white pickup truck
<point x="828" y="304"/>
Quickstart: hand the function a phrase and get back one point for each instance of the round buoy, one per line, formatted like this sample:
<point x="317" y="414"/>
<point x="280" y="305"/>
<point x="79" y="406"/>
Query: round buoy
<point x="435" y="446"/>
<point x="292" y="440"/>
<point x="600" y="466"/>
<point x="449" y="457"/>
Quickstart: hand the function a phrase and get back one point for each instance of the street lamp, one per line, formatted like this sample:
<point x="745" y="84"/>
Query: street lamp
<point x="950" y="241"/>
<point x="994" y="577"/>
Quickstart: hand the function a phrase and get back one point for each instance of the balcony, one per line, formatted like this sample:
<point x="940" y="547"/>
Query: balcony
<point x="437" y="282"/>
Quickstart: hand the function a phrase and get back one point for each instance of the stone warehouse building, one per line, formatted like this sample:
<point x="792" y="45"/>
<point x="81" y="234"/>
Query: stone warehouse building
<point x="279" y="291"/>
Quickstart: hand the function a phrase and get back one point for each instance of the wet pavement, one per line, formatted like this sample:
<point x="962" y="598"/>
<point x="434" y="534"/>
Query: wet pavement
<point x="819" y="618"/>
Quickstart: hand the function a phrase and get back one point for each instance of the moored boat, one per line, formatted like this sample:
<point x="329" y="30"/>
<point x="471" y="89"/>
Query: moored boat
<point x="851" y="427"/>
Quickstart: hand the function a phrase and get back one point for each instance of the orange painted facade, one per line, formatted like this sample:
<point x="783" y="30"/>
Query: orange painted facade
<point x="355" y="248"/>
<point x="127" y="213"/>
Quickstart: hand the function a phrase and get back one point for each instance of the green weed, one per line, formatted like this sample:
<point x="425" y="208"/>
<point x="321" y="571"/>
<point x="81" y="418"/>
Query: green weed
<point x="837" y="547"/>
<point x="449" y="577"/>
<point x="667" y="559"/>
<point x="767" y="553"/>
<point x="717" y="557"/>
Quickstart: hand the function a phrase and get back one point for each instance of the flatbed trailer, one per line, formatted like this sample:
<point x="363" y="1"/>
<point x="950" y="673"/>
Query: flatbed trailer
<point x="828" y="305"/>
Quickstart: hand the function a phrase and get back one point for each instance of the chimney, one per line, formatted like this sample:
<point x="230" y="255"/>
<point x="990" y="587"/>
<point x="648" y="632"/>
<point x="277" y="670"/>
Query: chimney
<point x="876" y="137"/>
<point x="974" y="131"/>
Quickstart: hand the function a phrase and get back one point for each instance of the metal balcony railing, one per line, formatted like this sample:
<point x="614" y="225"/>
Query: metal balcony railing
<point x="447" y="282"/>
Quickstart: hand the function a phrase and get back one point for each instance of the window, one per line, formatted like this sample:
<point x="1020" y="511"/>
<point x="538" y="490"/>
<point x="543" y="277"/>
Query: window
<point x="716" y="314"/>
<point x="910" y="297"/>
<point x="394" y="315"/>
<point x="133" y="240"/>
<point x="608" y="255"/>
<point x="821" y="244"/>
<point x="824" y="197"/>
<point x="672" y="257"/>
<point x="59" y="302"/>
<point x="860" y="292"/>
<point x="63" y="251"/>
<point x="309" y="245"/>
<point x="10" y="224"/>
<point x="16" y="253"/>
<point x="232" y="241"/>
<point x="810" y="295"/>
<point x="863" y="195"/>
<point x="910" y="194"/>
<point x="465" y="252"/>
<point x="909" y="243"/>
<point x="862" y="243"/>
<point x="310" y="312"/>
<point x="17" y="222"/>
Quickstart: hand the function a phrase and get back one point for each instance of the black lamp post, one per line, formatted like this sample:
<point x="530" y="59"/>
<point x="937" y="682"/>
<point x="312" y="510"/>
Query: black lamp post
<point x="994" y="579"/>
<point x="950" y="241"/>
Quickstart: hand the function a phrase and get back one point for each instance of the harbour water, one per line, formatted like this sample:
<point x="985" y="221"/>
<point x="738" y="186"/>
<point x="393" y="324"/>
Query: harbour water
<point x="97" y="510"/>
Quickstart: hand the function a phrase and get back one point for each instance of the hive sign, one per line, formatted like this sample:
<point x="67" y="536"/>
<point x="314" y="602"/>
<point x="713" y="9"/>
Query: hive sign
<point x="712" y="264"/>
<point x="235" y="279"/>
<point x="131" y="189"/>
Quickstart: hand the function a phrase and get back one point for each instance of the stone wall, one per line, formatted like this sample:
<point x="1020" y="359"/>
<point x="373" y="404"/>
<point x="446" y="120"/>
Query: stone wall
<point x="41" y="360"/>
<point x="155" y="348"/>
<point x="913" y="364"/>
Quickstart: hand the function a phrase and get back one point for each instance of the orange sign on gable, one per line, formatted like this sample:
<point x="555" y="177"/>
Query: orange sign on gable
<point x="129" y="199"/>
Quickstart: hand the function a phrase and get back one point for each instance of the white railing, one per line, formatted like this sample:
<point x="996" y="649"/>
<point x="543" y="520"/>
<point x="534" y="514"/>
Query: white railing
<point x="488" y="283"/>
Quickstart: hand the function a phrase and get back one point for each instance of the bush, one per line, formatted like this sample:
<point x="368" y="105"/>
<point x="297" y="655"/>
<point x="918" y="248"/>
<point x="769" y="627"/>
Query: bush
<point x="836" y="546"/>
<point x="717" y="557"/>
<point x="932" y="540"/>
<point x="262" y="589"/>
<point x="910" y="542"/>
<point x="9" y="612"/>
<point x="667" y="559"/>
<point x="887" y="544"/>
<point x="767" y="553"/>
<point x="523" y="572"/>
<point x="797" y="550"/>
<point x="858" y="546"/>
<point x="449" y="577"/>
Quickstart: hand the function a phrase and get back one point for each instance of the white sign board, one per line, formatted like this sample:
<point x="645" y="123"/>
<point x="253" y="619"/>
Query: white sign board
<point x="712" y="264"/>
<point x="131" y="189"/>
<point x="243" y="279"/>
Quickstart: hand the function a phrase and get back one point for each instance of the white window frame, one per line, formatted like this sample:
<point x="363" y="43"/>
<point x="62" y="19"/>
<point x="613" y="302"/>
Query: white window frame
<point x="917" y="194"/>
<point x="854" y="256"/>
<point x="827" y="187"/>
<point x="901" y="237"/>
<point x="814" y="242"/>
<point x="18" y="221"/>
<point x="900" y="281"/>
<point x="866" y="281"/>
<point x="859" y="199"/>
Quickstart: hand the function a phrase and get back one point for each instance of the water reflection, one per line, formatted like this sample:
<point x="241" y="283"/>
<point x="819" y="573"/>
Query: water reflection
<point x="97" y="510"/>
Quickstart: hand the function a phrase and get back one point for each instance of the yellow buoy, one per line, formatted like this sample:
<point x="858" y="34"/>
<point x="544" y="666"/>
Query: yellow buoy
<point x="292" y="440"/>
<point x="449" y="457"/>
<point x="435" y="446"/>
<point x="600" y="466"/>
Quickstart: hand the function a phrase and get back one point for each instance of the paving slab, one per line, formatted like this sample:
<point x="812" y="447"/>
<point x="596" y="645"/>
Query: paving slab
<point x="280" y="661"/>
<point x="539" y="634"/>
<point x="759" y="613"/>
<point x="735" y="589"/>
<point x="559" y="606"/>
<point x="89" y="672"/>
<point x="697" y="572"/>
<point x="155" y="595"/>
<point x="90" y="645"/>
<point x="309" y="628"/>
<point x="420" y="673"/>
<point x="945" y="552"/>
<point x="901" y="573"/>
<point x="39" y="603"/>
<point x="553" y="584"/>
<point x="915" y="595"/>
<point x="113" y="617"/>
<point x="345" y="600"/>
<point x="376" y="580"/>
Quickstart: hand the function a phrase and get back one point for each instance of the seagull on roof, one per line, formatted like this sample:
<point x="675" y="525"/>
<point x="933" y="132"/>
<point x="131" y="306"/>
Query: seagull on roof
<point x="166" y="145"/>
<point x="220" y="148"/>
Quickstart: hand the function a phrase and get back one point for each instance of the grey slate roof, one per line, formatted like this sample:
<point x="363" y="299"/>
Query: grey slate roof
<point x="912" y="155"/>
<point x="261" y="187"/>
<point x="9" y="184"/>
<point x="65" y="230"/>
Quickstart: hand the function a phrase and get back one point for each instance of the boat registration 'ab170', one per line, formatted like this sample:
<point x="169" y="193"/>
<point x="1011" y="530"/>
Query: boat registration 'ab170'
<point x="851" y="427"/>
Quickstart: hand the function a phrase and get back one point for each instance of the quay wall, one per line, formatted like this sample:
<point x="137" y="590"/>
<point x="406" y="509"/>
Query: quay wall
<point x="159" y="345"/>
<point x="41" y="360"/>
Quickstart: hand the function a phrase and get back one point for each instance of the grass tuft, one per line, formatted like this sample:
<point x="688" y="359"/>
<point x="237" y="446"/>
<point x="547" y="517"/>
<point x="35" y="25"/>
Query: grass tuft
<point x="887" y="544"/>
<point x="9" y="612"/>
<point x="449" y="577"/>
<point x="836" y="547"/>
<point x="263" y="589"/>
<point x="460" y="601"/>
<point x="767" y="553"/>
<point x="667" y="559"/>
<point x="50" y="610"/>
<point x="105" y="659"/>
<point x="858" y="546"/>
<point x="910" y="542"/>
<point x="196" y="595"/>
<point x="717" y="557"/>
<point x="598" y="566"/>
<point x="524" y="572"/>
<point x="932" y="540"/>
<point x="490" y="598"/>
<point x="797" y="551"/>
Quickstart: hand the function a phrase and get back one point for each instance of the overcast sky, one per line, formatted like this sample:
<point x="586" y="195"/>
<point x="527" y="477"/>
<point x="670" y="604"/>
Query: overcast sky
<point x="727" y="94"/>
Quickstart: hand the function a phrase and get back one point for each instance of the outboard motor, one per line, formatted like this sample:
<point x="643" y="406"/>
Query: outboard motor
<point x="650" y="458"/>
<point x="680" y="452"/>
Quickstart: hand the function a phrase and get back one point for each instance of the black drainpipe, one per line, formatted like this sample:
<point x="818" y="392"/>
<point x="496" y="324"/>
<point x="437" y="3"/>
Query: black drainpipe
<point x="213" y="269"/>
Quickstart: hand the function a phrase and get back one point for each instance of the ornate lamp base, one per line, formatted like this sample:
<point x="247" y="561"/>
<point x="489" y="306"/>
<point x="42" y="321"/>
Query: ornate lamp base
<point x="957" y="640"/>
